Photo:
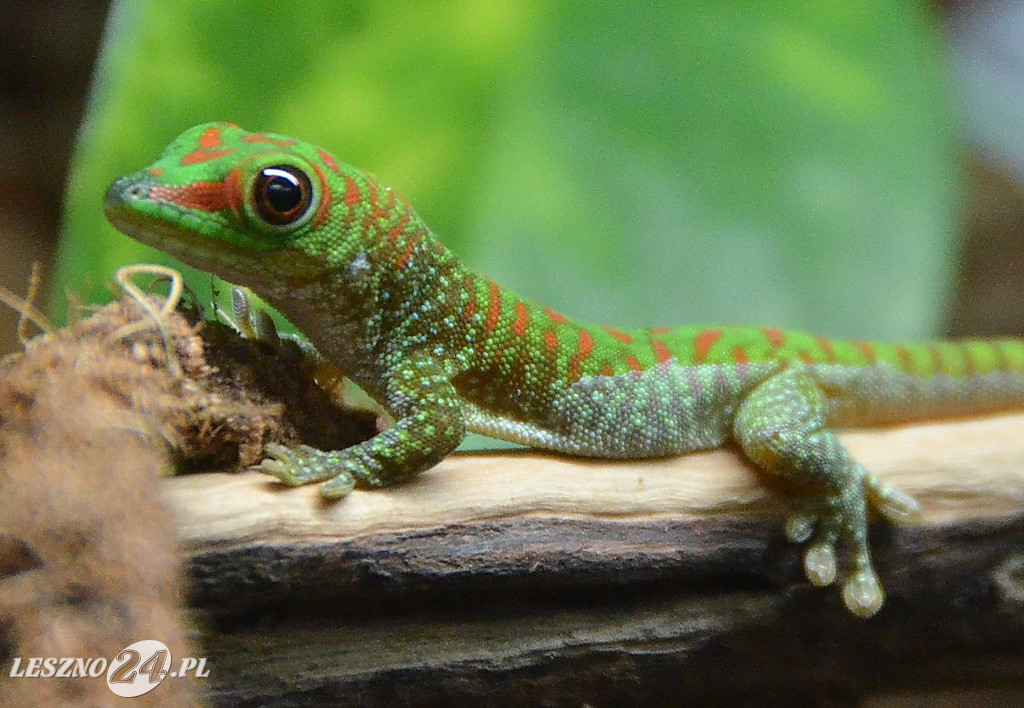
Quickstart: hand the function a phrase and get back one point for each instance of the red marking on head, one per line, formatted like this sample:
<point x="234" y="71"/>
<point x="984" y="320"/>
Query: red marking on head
<point x="233" y="187"/>
<point x="493" y="307"/>
<point x="775" y="337"/>
<point x="210" y="138"/>
<point x="263" y="138"/>
<point x="156" y="171"/>
<point x="328" y="160"/>
<point x="828" y="353"/>
<point x="621" y="336"/>
<point x="702" y="344"/>
<point x="373" y="200"/>
<point x="202" y="196"/>
<point x="208" y="142"/>
<point x="522" y="319"/>
<point x="556" y="317"/>
<point x="197" y="156"/>
<point x="584" y="349"/>
<point x="633" y="363"/>
<point x="661" y="352"/>
<point x="352" y="195"/>
<point x="740" y="356"/>
<point x="410" y="247"/>
<point x="323" y="210"/>
<point x="867" y="350"/>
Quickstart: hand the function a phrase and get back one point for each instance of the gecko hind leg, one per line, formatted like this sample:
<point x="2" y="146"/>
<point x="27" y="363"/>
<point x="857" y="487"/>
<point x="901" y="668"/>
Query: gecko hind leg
<point x="781" y="426"/>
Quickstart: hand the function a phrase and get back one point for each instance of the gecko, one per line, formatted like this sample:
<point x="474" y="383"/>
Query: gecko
<point x="445" y="350"/>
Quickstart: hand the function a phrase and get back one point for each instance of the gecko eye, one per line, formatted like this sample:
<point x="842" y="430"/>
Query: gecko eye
<point x="282" y="195"/>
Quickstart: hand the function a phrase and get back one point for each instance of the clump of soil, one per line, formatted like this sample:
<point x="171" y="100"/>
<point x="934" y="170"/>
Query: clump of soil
<point x="90" y="418"/>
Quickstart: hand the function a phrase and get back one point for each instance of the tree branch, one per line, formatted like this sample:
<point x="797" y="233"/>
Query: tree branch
<point x="522" y="578"/>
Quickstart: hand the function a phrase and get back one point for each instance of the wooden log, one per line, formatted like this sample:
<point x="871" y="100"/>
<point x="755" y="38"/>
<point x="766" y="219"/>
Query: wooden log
<point x="518" y="578"/>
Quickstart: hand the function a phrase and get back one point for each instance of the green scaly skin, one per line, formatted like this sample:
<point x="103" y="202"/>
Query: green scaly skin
<point x="446" y="350"/>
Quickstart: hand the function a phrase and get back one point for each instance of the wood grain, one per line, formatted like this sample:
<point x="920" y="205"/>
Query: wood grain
<point x="519" y="578"/>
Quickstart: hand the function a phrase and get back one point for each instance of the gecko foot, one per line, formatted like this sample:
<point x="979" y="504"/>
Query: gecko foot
<point x="303" y="464"/>
<point x="842" y="518"/>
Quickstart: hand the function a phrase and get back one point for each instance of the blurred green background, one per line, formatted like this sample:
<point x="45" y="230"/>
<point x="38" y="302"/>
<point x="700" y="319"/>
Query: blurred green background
<point x="792" y="163"/>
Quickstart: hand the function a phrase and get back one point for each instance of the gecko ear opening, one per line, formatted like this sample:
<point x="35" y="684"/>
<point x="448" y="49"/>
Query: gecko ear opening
<point x="282" y="196"/>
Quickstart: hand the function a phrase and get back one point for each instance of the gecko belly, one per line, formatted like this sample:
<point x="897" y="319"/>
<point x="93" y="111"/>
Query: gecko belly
<point x="667" y="409"/>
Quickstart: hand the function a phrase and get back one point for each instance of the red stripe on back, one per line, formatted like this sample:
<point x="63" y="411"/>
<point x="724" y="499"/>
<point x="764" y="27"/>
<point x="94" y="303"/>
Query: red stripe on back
<point x="410" y="247"/>
<point x="634" y="363"/>
<point x="1002" y="362"/>
<point x="556" y="317"/>
<point x="827" y="351"/>
<point x="906" y="359"/>
<point x="867" y="350"/>
<point x="397" y="229"/>
<point x="551" y="340"/>
<point x="493" y="307"/>
<point x="775" y="337"/>
<point x="740" y="356"/>
<point x="583" y="350"/>
<point x="522" y="319"/>
<point x="621" y="336"/>
<point x="661" y="352"/>
<point x="658" y="330"/>
<point x="374" y="200"/>
<point x="938" y="363"/>
<point x="970" y="366"/>
<point x="703" y="342"/>
<point x="470" y="308"/>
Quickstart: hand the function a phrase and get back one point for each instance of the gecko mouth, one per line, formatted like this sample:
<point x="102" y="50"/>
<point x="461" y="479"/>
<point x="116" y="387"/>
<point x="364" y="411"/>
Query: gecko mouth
<point x="175" y="230"/>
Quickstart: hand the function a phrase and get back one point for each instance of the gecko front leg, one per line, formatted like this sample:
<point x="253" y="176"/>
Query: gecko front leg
<point x="429" y="425"/>
<point x="781" y="426"/>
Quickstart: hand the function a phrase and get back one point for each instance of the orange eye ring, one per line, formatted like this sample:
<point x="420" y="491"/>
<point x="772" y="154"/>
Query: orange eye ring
<point x="282" y="195"/>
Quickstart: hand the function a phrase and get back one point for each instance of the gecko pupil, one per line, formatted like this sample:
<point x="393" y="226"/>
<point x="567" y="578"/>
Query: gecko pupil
<point x="282" y="195"/>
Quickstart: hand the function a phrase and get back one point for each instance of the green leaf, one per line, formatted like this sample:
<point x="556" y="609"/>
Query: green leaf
<point x="790" y="164"/>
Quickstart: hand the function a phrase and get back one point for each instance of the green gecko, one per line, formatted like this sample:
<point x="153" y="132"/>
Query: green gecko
<point x="447" y="351"/>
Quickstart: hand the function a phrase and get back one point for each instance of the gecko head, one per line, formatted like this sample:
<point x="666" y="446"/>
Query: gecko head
<point x="245" y="206"/>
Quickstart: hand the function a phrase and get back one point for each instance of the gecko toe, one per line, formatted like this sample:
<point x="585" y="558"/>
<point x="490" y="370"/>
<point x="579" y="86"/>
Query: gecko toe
<point x="800" y="526"/>
<point x="298" y="465"/>
<point x="893" y="504"/>
<point x="863" y="594"/>
<point x="820" y="563"/>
